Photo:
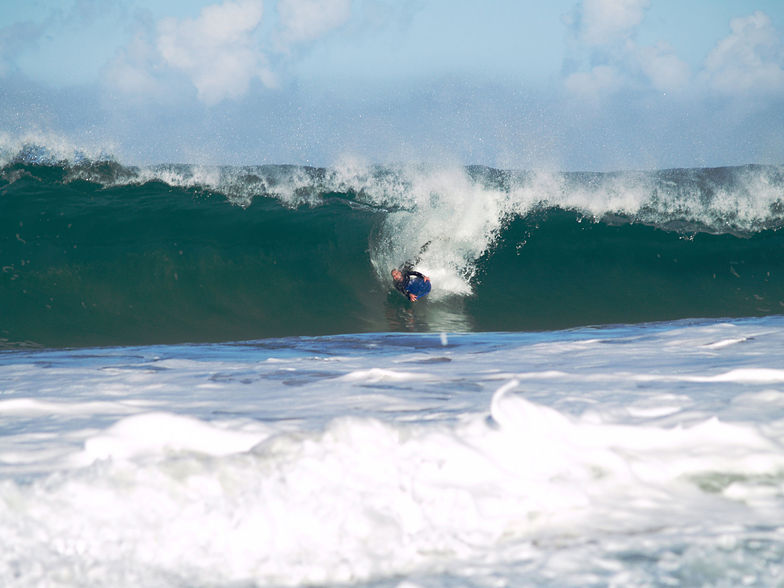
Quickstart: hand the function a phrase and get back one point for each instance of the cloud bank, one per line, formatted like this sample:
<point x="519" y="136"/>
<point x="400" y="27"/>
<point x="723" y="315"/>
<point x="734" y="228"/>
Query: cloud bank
<point x="750" y="60"/>
<point x="217" y="51"/>
<point x="227" y="84"/>
<point x="223" y="50"/>
<point x="233" y="44"/>
<point x="603" y="33"/>
<point x="599" y="22"/>
<point x="306" y="20"/>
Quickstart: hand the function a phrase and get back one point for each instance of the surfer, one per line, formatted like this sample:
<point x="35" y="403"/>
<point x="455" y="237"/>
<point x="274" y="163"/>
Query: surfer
<point x="403" y="281"/>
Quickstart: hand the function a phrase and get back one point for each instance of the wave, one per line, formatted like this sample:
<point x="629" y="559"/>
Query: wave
<point x="96" y="252"/>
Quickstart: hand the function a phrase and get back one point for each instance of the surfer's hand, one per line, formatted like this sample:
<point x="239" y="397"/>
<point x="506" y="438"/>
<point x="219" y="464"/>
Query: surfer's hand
<point x="412" y="297"/>
<point x="427" y="279"/>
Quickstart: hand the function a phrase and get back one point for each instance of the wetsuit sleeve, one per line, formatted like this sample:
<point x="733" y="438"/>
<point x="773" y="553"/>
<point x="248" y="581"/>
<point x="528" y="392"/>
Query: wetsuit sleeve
<point x="410" y="273"/>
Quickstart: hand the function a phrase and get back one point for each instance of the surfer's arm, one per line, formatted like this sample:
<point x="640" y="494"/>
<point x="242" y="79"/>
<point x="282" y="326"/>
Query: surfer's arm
<point x="417" y="274"/>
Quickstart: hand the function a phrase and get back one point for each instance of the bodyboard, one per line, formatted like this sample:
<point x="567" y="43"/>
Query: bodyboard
<point x="418" y="287"/>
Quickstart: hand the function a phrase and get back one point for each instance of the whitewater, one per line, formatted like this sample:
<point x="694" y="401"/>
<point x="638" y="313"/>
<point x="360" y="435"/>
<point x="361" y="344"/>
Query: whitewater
<point x="633" y="455"/>
<point x="207" y="379"/>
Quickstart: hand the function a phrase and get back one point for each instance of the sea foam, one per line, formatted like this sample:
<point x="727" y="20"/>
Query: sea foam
<point x="625" y="455"/>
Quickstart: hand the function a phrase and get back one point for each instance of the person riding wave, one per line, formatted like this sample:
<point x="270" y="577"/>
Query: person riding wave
<point x="402" y="280"/>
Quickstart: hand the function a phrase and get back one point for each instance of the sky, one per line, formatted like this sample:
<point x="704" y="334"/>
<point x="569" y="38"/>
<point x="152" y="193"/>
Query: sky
<point x="564" y="84"/>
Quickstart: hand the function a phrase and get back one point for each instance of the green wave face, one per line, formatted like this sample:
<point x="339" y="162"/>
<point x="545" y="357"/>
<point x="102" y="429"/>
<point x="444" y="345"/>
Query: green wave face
<point x="101" y="254"/>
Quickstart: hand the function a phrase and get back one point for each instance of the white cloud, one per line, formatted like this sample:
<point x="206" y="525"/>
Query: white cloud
<point x="604" y="32"/>
<point x="305" y="20"/>
<point x="131" y="69"/>
<point x="14" y="40"/>
<point x="600" y="81"/>
<point x="665" y="70"/>
<point x="749" y="60"/>
<point x="599" y="22"/>
<point x="218" y="50"/>
<point x="222" y="51"/>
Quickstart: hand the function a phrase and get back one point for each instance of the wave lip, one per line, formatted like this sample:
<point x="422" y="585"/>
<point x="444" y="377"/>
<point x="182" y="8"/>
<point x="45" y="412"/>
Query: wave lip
<point x="744" y="198"/>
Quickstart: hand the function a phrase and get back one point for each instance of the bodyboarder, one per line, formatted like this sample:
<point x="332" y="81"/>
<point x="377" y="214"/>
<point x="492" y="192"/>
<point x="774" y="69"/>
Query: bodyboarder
<point x="410" y="283"/>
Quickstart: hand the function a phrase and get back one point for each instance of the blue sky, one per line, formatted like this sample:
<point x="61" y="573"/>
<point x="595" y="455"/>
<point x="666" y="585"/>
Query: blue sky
<point x="566" y="84"/>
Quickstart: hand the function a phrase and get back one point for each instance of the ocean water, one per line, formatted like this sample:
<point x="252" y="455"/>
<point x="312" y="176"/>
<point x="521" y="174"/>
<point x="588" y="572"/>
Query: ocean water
<point x="96" y="253"/>
<point x="206" y="378"/>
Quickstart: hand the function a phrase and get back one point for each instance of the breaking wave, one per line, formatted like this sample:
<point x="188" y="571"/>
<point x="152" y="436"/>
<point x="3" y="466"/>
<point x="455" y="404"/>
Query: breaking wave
<point x="96" y="252"/>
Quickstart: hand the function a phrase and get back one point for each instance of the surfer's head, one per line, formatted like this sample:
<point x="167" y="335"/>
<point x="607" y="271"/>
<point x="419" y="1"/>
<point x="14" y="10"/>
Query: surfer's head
<point x="397" y="275"/>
